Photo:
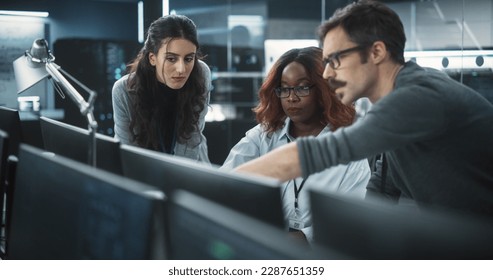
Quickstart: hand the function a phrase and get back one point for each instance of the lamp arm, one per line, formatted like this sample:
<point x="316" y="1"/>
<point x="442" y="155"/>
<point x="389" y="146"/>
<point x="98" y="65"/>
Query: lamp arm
<point x="52" y="69"/>
<point x="92" y="126"/>
<point x="85" y="108"/>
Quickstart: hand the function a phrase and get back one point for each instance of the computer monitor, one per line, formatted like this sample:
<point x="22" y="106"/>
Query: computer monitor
<point x="10" y="123"/>
<point x="64" y="209"/>
<point x="4" y="143"/>
<point x="365" y="230"/>
<point x="9" y="186"/>
<point x="73" y="142"/>
<point x="202" y="229"/>
<point x="259" y="197"/>
<point x="3" y="165"/>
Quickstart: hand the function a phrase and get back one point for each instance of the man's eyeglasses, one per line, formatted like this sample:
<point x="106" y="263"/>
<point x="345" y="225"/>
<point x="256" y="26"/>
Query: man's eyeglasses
<point x="334" y="60"/>
<point x="285" y="92"/>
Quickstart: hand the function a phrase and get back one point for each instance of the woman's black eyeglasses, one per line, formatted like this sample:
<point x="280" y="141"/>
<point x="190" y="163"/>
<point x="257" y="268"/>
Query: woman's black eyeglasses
<point x="285" y="92"/>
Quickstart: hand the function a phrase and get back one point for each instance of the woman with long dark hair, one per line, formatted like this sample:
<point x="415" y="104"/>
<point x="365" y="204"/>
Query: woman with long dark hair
<point x="296" y="101"/>
<point x="162" y="102"/>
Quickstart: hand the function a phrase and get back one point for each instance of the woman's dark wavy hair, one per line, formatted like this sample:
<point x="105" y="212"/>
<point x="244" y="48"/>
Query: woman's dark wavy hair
<point x="269" y="111"/>
<point x="143" y="86"/>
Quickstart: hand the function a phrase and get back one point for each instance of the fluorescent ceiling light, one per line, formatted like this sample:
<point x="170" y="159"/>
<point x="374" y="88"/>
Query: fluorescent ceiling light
<point x="165" y="7"/>
<point x="24" y="13"/>
<point x="453" y="59"/>
<point x="460" y="53"/>
<point x="140" y="21"/>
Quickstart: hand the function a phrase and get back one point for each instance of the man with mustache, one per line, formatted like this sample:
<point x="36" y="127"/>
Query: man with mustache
<point x="437" y="134"/>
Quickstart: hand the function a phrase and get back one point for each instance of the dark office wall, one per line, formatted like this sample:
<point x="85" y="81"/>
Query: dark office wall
<point x="84" y="19"/>
<point x="98" y="65"/>
<point x="222" y="136"/>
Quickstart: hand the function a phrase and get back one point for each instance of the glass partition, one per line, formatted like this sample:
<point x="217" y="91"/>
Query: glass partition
<point x="451" y="35"/>
<point x="242" y="38"/>
<point x="454" y="36"/>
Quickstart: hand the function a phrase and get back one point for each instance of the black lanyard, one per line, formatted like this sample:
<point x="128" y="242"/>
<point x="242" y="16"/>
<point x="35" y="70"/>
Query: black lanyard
<point x="295" y="188"/>
<point x="297" y="191"/>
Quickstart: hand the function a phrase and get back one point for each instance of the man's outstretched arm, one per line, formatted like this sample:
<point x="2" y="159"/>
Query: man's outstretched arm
<point x="282" y="163"/>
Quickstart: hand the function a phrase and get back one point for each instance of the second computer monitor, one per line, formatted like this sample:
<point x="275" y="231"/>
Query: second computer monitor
<point x="10" y="123"/>
<point x="203" y="229"/>
<point x="73" y="142"/>
<point x="365" y="230"/>
<point x="259" y="197"/>
<point x="3" y="174"/>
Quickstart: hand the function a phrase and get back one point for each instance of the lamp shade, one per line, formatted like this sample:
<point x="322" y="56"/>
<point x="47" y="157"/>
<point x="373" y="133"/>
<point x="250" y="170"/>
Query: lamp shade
<point x="30" y="68"/>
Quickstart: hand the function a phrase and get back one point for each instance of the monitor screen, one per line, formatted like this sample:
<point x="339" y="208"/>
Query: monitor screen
<point x="10" y="122"/>
<point x="73" y="142"/>
<point x="64" y="209"/>
<point x="259" y="197"/>
<point x="202" y="229"/>
<point x="365" y="230"/>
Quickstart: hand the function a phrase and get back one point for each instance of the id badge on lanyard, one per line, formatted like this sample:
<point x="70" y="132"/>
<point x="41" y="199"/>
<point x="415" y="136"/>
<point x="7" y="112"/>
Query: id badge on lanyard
<point x="295" y="221"/>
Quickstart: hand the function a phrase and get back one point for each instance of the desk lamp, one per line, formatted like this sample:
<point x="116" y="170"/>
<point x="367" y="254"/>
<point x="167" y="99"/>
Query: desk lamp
<point x="37" y="64"/>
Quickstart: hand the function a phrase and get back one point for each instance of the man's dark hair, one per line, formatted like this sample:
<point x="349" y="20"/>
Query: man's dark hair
<point x="366" y="22"/>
